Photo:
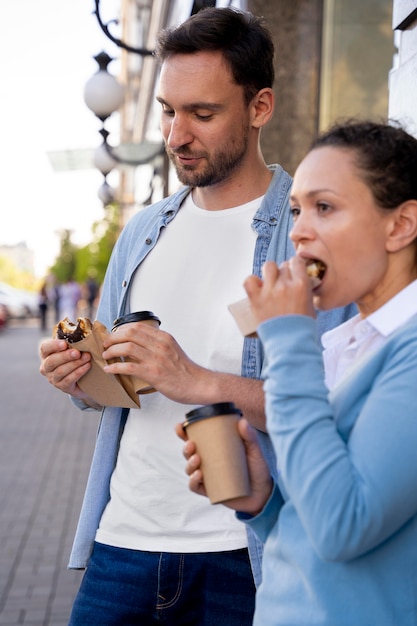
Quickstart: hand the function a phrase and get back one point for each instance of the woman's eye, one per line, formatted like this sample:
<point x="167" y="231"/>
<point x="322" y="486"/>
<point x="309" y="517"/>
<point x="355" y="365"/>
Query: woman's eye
<point x="295" y="212"/>
<point x="323" y="207"/>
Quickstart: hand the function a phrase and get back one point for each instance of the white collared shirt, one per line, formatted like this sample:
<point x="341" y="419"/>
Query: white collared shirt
<point x="346" y="344"/>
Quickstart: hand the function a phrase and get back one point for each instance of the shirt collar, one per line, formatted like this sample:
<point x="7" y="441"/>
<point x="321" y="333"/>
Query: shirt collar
<point x="384" y="320"/>
<point x="396" y="311"/>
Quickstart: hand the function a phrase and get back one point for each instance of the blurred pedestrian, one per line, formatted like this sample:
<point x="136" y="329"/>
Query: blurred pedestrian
<point x="70" y="295"/>
<point x="92" y="288"/>
<point x="43" y="305"/>
<point x="55" y="297"/>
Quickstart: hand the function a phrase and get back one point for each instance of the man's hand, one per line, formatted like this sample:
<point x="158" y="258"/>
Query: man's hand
<point x="63" y="367"/>
<point x="153" y="355"/>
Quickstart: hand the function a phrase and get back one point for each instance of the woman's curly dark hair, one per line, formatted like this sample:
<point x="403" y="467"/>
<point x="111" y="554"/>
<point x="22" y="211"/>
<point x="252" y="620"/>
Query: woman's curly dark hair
<point x="386" y="157"/>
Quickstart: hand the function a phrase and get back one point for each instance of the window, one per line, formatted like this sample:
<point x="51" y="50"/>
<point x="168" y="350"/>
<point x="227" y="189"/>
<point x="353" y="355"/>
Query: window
<point x="357" y="55"/>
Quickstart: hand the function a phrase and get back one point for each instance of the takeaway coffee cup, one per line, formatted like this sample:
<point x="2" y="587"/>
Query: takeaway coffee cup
<point x="213" y="428"/>
<point x="146" y="317"/>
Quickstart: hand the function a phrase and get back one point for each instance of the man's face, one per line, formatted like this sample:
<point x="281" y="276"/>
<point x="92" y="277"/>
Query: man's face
<point x="204" y="120"/>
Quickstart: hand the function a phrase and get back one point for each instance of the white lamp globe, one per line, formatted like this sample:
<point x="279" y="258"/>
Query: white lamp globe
<point x="103" y="94"/>
<point x="106" y="193"/>
<point x="103" y="160"/>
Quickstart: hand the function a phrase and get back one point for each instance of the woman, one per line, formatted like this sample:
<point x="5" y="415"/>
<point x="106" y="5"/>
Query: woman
<point x="340" y="526"/>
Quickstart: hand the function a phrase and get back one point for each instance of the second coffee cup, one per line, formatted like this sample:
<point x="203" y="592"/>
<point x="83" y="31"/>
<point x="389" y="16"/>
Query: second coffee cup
<point x="213" y="428"/>
<point x="146" y="317"/>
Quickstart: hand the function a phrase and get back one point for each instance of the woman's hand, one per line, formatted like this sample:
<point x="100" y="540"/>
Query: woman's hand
<point x="260" y="477"/>
<point x="286" y="290"/>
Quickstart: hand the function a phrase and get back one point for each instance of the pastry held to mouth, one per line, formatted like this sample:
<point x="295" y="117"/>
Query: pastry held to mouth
<point x="315" y="270"/>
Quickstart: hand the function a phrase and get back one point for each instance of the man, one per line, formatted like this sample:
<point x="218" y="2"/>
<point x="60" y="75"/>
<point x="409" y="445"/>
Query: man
<point x="161" y="552"/>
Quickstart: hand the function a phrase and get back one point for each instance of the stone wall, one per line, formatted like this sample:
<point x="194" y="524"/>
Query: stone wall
<point x="332" y="61"/>
<point x="296" y="25"/>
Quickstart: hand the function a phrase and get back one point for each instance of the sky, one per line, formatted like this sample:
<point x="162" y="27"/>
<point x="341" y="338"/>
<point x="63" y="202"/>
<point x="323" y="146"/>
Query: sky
<point x="46" y="57"/>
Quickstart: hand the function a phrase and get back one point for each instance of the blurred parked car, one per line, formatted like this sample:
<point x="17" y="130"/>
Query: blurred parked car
<point x="4" y="316"/>
<point x="19" y="303"/>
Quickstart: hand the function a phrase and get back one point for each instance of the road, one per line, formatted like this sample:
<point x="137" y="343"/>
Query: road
<point x="46" y="446"/>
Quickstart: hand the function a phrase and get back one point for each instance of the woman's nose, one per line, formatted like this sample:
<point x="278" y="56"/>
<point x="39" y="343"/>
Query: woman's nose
<point x="301" y="229"/>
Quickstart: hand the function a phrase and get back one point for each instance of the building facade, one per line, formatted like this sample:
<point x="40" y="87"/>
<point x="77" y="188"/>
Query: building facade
<point x="403" y="77"/>
<point x="334" y="59"/>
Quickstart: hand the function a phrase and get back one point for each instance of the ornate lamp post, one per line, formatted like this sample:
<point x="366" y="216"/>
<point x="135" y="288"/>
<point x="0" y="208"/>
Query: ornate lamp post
<point x="104" y="95"/>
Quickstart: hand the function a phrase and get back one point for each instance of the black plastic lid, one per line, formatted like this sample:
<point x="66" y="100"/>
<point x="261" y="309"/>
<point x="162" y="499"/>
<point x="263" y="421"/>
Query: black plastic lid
<point x="210" y="410"/>
<point x="138" y="316"/>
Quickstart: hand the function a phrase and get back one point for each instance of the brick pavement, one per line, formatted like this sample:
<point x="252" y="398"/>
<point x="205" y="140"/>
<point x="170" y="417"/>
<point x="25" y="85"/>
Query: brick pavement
<point x="45" y="452"/>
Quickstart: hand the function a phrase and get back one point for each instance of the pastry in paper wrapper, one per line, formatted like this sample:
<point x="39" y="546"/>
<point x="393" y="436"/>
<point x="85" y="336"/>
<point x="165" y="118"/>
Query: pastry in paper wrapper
<point x="106" y="389"/>
<point x="244" y="317"/>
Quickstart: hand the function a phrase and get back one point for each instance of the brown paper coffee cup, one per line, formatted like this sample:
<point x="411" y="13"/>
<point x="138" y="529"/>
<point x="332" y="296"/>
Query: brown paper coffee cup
<point x="145" y="317"/>
<point x="213" y="428"/>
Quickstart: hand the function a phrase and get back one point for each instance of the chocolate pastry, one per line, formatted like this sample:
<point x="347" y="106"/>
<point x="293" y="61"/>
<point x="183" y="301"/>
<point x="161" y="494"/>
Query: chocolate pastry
<point x="73" y="332"/>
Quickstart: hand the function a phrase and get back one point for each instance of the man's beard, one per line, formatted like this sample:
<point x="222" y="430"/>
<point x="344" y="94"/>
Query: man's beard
<point x="218" y="168"/>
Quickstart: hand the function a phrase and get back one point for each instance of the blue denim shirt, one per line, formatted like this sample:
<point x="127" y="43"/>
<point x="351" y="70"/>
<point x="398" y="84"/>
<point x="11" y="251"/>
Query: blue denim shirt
<point x="272" y="223"/>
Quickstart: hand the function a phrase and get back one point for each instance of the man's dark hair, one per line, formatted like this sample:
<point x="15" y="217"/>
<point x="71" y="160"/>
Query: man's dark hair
<point x="385" y="155"/>
<point x="243" y="39"/>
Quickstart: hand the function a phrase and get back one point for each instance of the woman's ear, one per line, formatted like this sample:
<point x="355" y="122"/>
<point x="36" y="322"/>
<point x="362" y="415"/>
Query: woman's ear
<point x="403" y="230"/>
<point x="262" y="107"/>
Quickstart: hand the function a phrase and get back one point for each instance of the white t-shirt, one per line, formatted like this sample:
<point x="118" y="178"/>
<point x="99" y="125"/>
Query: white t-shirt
<point x="196" y="269"/>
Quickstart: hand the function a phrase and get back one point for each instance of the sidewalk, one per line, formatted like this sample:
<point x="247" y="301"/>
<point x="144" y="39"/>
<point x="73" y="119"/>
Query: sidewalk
<point x="46" y="446"/>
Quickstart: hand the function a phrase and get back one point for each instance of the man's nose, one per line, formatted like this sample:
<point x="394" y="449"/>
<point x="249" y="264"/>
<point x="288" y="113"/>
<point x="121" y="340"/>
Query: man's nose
<point x="179" y="133"/>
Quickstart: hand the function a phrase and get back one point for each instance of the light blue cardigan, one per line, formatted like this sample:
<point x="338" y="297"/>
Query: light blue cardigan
<point x="341" y="535"/>
<point x="272" y="223"/>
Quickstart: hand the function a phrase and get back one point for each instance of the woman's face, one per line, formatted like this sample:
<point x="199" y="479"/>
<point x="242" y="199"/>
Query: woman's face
<point x="337" y="221"/>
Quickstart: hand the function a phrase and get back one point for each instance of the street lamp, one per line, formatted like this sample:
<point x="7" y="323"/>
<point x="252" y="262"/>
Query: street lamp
<point x="106" y="193"/>
<point x="104" y="95"/>
<point x="121" y="44"/>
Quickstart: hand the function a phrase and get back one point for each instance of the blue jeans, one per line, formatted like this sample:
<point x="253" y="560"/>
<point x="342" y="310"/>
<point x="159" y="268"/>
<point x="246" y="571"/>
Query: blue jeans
<point x="127" y="587"/>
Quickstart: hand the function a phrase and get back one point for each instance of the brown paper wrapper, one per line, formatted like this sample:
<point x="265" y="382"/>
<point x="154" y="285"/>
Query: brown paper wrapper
<point x="106" y="389"/>
<point x="244" y="317"/>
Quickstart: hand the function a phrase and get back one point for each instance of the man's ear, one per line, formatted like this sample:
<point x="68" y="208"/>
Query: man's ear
<point x="262" y="107"/>
<point x="403" y="228"/>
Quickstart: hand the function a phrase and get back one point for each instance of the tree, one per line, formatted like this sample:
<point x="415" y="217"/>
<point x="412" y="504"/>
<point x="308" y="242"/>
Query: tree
<point x="65" y="266"/>
<point x="92" y="259"/>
